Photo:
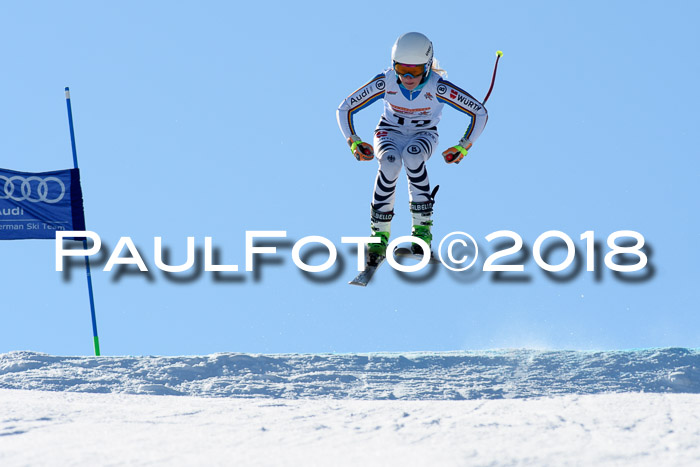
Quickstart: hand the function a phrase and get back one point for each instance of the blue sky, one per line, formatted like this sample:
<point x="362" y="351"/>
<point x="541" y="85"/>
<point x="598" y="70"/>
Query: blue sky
<point x="215" y="119"/>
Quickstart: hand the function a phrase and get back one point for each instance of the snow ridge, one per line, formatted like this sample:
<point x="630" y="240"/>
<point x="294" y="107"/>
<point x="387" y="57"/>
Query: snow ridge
<point x="503" y="374"/>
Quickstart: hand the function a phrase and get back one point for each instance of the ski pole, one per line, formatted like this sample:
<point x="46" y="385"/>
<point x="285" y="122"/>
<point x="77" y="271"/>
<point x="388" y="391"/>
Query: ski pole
<point x="499" y="54"/>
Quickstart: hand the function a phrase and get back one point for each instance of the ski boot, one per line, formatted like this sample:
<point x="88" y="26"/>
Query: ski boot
<point x="377" y="251"/>
<point x="421" y="214"/>
<point x="381" y="228"/>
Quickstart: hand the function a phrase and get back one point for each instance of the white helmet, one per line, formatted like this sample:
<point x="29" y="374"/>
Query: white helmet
<point x="413" y="48"/>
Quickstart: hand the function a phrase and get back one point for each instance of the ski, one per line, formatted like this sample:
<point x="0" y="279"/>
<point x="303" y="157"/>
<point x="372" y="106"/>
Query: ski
<point x="363" y="278"/>
<point x="407" y="253"/>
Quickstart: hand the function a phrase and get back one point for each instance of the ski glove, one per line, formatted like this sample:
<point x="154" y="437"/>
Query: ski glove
<point x="361" y="150"/>
<point x="457" y="153"/>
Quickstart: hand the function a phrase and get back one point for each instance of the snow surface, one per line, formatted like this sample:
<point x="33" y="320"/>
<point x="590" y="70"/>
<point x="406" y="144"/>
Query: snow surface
<point x="519" y="407"/>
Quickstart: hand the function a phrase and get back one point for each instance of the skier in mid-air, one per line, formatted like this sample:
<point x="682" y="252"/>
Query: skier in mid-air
<point x="414" y="92"/>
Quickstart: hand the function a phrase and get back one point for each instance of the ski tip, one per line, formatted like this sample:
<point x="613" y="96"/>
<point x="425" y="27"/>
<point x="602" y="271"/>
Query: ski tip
<point x="499" y="53"/>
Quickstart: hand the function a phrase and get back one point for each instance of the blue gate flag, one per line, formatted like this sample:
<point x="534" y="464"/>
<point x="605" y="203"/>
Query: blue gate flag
<point x="36" y="205"/>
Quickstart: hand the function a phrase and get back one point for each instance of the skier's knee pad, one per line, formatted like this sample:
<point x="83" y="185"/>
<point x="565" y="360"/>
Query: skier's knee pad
<point x="389" y="165"/>
<point x="413" y="156"/>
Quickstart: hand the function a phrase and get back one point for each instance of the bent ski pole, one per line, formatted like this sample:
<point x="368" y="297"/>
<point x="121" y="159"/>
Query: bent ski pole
<point x="499" y="54"/>
<point x="450" y="157"/>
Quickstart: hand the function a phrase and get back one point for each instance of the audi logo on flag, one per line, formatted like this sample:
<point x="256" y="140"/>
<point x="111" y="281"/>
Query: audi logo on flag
<point x="33" y="189"/>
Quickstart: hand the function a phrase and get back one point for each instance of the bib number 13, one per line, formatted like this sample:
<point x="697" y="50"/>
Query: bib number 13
<point x="416" y="123"/>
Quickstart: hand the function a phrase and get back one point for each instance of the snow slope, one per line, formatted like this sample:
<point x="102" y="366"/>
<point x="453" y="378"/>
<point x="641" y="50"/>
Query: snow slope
<point x="45" y="428"/>
<point x="408" y="376"/>
<point x="522" y="408"/>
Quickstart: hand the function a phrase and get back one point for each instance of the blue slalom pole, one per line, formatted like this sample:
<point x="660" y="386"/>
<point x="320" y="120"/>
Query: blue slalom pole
<point x="96" y="339"/>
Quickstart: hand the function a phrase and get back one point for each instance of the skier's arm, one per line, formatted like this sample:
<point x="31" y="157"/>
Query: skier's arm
<point x="464" y="102"/>
<point x="358" y="100"/>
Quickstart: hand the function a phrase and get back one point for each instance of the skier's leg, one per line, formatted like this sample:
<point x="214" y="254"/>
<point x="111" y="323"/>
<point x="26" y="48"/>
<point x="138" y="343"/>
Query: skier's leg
<point x="382" y="210"/>
<point x="415" y="155"/>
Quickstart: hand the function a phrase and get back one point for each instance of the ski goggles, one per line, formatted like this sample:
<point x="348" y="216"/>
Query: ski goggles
<point x="414" y="71"/>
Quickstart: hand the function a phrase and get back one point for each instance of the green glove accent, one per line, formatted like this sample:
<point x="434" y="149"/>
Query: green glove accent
<point x="461" y="150"/>
<point x="354" y="146"/>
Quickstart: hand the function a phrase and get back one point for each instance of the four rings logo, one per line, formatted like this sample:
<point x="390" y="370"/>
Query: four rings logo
<point x="33" y="189"/>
